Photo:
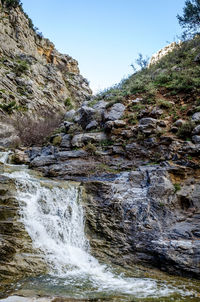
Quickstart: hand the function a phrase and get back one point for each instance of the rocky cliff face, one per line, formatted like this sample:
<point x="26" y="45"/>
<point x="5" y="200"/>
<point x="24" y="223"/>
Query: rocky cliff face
<point x="142" y="202"/>
<point x="135" y="149"/>
<point x="35" y="78"/>
<point x="140" y="218"/>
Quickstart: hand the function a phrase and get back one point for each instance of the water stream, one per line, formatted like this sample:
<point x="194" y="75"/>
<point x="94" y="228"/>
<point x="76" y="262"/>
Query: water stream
<point x="53" y="215"/>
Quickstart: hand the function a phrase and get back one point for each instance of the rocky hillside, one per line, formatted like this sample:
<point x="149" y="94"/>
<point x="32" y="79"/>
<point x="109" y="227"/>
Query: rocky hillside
<point x="136" y="147"/>
<point x="35" y="79"/>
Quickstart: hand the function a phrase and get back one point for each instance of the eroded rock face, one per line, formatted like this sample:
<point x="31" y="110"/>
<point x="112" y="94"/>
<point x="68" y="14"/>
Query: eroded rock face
<point x="18" y="259"/>
<point x="35" y="78"/>
<point x="141" y="218"/>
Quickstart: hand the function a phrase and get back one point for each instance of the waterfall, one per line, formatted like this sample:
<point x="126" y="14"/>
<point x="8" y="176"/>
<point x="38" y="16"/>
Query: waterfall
<point x="4" y="157"/>
<point x="53" y="216"/>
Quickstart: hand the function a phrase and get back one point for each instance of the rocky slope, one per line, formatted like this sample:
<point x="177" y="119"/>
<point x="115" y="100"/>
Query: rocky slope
<point x="134" y="147"/>
<point x="36" y="80"/>
<point x="150" y="215"/>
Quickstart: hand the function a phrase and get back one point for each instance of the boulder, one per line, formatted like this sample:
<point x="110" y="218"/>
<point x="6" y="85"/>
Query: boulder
<point x="156" y="112"/>
<point x="196" y="139"/>
<point x="79" y="140"/>
<point x="92" y="125"/>
<point x="196" y="130"/>
<point x="63" y="155"/>
<point x="67" y="125"/>
<point x="86" y="116"/>
<point x="66" y="141"/>
<point x="69" y="115"/>
<point x="179" y="123"/>
<point x="40" y="161"/>
<point x="119" y="124"/>
<point x="147" y="125"/>
<point x="196" y="117"/>
<point x="115" y="112"/>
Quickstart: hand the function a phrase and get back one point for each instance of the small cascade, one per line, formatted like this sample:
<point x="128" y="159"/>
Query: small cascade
<point x="4" y="157"/>
<point x="54" y="218"/>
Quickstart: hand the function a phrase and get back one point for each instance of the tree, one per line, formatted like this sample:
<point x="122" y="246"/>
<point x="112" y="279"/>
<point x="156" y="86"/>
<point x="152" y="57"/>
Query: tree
<point x="11" y="3"/>
<point x="141" y="62"/>
<point x="191" y="16"/>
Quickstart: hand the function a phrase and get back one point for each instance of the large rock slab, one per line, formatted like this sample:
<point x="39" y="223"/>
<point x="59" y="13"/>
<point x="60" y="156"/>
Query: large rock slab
<point x="79" y="140"/>
<point x="143" y="217"/>
<point x="115" y="112"/>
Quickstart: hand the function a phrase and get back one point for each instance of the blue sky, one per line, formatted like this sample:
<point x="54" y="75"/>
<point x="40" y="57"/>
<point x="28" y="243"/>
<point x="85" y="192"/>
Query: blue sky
<point x="105" y="36"/>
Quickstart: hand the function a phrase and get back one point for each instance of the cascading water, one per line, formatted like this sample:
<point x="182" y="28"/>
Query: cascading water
<point x="4" y="157"/>
<point x="54" y="218"/>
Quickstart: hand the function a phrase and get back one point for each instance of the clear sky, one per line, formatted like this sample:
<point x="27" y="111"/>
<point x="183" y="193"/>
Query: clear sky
<point x="105" y="36"/>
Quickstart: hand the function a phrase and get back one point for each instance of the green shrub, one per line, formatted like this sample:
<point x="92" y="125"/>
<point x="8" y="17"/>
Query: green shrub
<point x="132" y="119"/>
<point x="106" y="143"/>
<point x="68" y="103"/>
<point x="9" y="108"/>
<point x="11" y="3"/>
<point x="115" y="100"/>
<point x="185" y="130"/>
<point x="21" y="67"/>
<point x="91" y="148"/>
<point x="177" y="187"/>
<point x="21" y="90"/>
<point x="164" y="104"/>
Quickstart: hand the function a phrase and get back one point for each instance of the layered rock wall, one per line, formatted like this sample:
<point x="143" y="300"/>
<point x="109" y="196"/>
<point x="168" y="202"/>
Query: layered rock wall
<point x="35" y="78"/>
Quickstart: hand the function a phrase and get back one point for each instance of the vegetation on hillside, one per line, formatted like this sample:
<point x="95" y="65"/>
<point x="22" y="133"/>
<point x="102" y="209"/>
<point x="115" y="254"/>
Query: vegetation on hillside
<point x="191" y="16"/>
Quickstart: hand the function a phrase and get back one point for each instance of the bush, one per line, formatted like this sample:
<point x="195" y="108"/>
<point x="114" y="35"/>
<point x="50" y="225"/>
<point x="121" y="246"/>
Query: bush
<point x="35" y="132"/>
<point x="8" y="108"/>
<point x="20" y="68"/>
<point x="91" y="149"/>
<point x="164" y="104"/>
<point x="68" y="103"/>
<point x="177" y="187"/>
<point x="11" y="3"/>
<point x="185" y="130"/>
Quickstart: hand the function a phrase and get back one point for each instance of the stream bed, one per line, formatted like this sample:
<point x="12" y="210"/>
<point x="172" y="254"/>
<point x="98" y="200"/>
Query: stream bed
<point x="53" y="215"/>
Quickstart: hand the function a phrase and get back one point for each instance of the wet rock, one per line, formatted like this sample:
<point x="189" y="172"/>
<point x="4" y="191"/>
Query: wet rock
<point x="18" y="258"/>
<point x="137" y="220"/>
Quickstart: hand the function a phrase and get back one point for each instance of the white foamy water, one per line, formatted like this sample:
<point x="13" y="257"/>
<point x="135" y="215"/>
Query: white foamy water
<point x="4" y="157"/>
<point x="54" y="218"/>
